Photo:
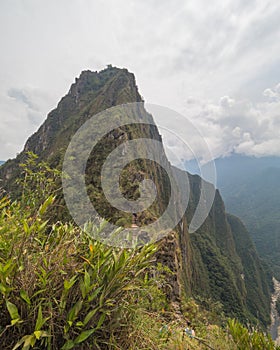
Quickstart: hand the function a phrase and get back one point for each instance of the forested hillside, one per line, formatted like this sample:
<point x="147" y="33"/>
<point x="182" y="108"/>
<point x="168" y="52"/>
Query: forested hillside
<point x="250" y="187"/>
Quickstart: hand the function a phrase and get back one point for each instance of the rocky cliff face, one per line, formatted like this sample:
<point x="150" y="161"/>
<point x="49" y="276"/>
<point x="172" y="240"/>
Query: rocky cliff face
<point x="255" y="273"/>
<point x="208" y="262"/>
<point x="221" y="261"/>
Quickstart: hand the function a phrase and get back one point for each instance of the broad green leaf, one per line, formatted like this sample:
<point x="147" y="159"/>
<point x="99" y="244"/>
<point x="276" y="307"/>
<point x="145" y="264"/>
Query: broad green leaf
<point x="25" y="297"/>
<point x="87" y="281"/>
<point x="83" y="336"/>
<point x="69" y="284"/>
<point x="73" y="313"/>
<point x="89" y="316"/>
<point x="29" y="341"/>
<point x="37" y="334"/>
<point x="4" y="289"/>
<point x="26" y="227"/>
<point x="42" y="226"/>
<point x="18" y="320"/>
<point x="40" y="334"/>
<point x="39" y="292"/>
<point x="13" y="311"/>
<point x="83" y="289"/>
<point x="101" y="320"/>
<point x="68" y="345"/>
<point x="94" y="294"/>
<point x="46" y="204"/>
<point x="40" y="320"/>
<point x="8" y="267"/>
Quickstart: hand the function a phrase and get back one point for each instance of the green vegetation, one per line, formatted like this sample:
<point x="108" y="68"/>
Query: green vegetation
<point x="250" y="187"/>
<point x="249" y="339"/>
<point x="254" y="274"/>
<point x="60" y="289"/>
<point x="227" y="268"/>
<point x="46" y="252"/>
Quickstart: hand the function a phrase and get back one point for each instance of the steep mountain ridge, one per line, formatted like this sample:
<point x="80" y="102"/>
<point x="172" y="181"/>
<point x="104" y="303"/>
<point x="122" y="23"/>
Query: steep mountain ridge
<point x="254" y="271"/>
<point x="208" y="262"/>
<point x="225" y="263"/>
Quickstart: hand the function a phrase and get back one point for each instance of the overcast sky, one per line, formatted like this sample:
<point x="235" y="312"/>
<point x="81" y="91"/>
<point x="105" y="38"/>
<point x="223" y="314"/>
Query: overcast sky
<point x="218" y="62"/>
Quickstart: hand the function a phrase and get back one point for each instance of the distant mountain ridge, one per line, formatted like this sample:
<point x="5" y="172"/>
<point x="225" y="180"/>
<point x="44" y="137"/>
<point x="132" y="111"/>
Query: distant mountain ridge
<point x="208" y="262"/>
<point x="250" y="187"/>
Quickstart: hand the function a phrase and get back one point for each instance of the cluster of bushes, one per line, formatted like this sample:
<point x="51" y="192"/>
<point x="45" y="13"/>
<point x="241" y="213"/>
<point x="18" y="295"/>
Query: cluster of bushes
<point x="61" y="289"/>
<point x="249" y="339"/>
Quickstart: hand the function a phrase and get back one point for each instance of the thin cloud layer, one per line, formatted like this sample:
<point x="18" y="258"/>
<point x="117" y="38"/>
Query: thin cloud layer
<point x="175" y="48"/>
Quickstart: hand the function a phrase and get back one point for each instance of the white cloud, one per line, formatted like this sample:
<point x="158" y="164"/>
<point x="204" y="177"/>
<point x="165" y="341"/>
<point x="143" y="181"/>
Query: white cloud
<point x="175" y="48"/>
<point x="22" y="111"/>
<point x="239" y="126"/>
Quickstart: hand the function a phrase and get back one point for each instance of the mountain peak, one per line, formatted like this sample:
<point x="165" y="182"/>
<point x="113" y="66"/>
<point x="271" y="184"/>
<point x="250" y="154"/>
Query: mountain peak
<point x="92" y="82"/>
<point x="207" y="261"/>
<point x="91" y="92"/>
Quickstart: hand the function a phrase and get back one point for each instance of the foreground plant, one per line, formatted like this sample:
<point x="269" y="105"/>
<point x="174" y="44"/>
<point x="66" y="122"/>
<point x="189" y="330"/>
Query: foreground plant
<point x="246" y="339"/>
<point x="59" y="288"/>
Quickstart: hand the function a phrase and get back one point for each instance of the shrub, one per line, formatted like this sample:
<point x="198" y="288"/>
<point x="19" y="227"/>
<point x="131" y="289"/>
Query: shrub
<point x="246" y="339"/>
<point x="60" y="288"/>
